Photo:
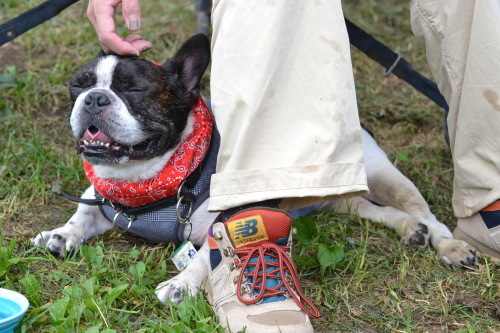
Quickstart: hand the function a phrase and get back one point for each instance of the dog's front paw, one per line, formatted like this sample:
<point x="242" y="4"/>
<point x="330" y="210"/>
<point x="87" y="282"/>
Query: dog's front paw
<point x="456" y="253"/>
<point x="174" y="290"/>
<point x="415" y="234"/>
<point x="58" y="241"/>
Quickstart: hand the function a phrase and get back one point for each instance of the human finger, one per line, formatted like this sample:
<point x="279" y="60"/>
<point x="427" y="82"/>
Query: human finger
<point x="101" y="14"/>
<point x="132" y="14"/>
<point x="114" y="44"/>
<point x="138" y="42"/>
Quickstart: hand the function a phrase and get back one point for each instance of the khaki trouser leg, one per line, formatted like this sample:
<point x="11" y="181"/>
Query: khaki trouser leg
<point x="462" y="39"/>
<point x="283" y="96"/>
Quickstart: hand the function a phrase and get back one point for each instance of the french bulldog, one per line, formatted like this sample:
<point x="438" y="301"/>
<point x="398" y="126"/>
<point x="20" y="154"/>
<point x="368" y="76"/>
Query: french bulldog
<point x="130" y="119"/>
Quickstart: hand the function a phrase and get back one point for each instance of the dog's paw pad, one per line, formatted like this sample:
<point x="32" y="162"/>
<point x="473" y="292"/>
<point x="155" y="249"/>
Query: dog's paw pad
<point x="58" y="241"/>
<point x="55" y="250"/>
<point x="416" y="234"/>
<point x="420" y="236"/>
<point x="171" y="290"/>
<point x="457" y="253"/>
<point x="58" y="237"/>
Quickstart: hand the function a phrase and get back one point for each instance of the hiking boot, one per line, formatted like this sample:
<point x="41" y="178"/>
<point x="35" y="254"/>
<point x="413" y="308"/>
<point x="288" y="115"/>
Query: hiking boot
<point x="482" y="230"/>
<point x="253" y="282"/>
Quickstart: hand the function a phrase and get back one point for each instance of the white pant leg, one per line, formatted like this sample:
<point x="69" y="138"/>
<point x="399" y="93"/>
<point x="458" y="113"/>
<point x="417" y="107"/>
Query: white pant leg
<point x="283" y="96"/>
<point x="462" y="39"/>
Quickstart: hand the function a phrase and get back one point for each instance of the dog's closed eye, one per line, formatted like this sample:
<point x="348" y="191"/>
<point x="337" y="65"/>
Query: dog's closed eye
<point x="84" y="80"/>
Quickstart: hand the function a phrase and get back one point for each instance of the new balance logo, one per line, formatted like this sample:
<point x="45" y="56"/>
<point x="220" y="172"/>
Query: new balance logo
<point x="247" y="230"/>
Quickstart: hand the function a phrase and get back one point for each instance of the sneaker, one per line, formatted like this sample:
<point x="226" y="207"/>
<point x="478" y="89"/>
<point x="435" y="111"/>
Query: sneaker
<point x="253" y="283"/>
<point x="482" y="230"/>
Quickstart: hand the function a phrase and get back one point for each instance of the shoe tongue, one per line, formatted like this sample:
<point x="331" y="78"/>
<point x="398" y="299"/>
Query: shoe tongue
<point x="259" y="226"/>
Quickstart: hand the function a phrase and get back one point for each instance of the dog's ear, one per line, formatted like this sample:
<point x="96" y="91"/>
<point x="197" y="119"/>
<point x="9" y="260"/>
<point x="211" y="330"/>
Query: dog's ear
<point x="190" y="62"/>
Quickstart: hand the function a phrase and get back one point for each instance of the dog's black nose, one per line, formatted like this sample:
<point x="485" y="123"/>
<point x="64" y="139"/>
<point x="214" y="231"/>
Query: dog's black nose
<point x="95" y="102"/>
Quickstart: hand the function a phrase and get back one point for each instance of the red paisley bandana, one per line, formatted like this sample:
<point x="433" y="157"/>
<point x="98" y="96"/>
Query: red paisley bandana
<point x="182" y="163"/>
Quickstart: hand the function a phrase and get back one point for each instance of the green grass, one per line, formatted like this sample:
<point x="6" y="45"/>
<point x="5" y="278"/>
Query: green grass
<point x="355" y="270"/>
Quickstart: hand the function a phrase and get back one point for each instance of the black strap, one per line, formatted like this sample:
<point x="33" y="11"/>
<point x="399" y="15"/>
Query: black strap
<point x="387" y="58"/>
<point x="31" y="18"/>
<point x="124" y="209"/>
<point x="397" y="65"/>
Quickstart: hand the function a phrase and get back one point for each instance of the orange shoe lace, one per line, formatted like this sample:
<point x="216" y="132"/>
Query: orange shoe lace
<point x="260" y="274"/>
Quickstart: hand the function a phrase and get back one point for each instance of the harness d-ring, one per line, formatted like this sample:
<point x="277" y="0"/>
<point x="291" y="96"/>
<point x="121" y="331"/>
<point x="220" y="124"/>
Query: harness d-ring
<point x="118" y="212"/>
<point x="180" y="199"/>
<point x="183" y="219"/>
<point x="129" y="218"/>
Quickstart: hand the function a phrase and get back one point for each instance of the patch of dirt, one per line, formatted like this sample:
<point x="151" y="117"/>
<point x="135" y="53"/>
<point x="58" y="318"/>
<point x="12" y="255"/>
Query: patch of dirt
<point x="12" y="54"/>
<point x="476" y="304"/>
<point x="26" y="222"/>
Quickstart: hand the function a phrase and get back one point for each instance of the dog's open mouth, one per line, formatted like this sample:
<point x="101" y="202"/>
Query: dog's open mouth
<point x="95" y="142"/>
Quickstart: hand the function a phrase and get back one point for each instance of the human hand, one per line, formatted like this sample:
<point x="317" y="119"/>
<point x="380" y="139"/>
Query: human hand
<point x="101" y="14"/>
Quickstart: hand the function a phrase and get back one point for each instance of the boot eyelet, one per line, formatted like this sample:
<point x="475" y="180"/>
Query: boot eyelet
<point x="218" y="235"/>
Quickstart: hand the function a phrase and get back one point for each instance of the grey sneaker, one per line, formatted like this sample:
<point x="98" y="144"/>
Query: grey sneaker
<point x="253" y="283"/>
<point x="482" y="230"/>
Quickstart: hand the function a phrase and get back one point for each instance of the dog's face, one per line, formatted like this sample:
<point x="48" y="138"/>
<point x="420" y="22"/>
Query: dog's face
<point x="128" y="109"/>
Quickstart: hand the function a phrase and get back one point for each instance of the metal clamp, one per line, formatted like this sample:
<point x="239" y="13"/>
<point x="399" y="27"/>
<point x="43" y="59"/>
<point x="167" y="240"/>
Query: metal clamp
<point x="394" y="64"/>
<point x="180" y="199"/>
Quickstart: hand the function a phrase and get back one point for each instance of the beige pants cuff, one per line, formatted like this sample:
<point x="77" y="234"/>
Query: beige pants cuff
<point x="312" y="184"/>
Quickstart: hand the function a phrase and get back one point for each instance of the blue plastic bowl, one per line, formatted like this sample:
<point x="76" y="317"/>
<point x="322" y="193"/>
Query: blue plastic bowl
<point x="13" y="305"/>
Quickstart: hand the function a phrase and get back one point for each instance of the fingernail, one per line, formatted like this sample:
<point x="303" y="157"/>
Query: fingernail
<point x="132" y="54"/>
<point x="133" y="24"/>
<point x="147" y="48"/>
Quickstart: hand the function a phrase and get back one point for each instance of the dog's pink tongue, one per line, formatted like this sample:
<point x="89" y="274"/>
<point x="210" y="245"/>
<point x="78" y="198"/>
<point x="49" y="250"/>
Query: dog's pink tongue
<point x="97" y="136"/>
